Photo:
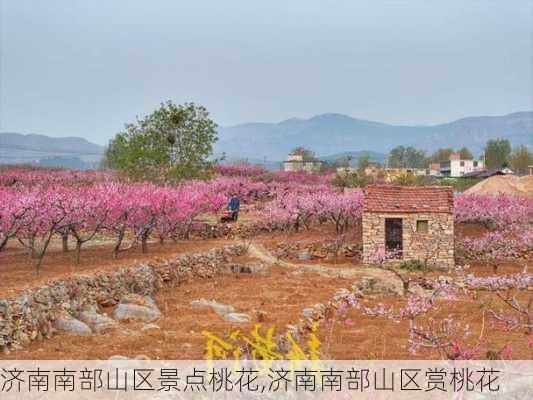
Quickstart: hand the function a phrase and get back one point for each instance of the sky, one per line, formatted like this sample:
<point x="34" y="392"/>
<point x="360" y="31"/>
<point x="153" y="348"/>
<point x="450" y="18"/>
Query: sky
<point x="85" y="68"/>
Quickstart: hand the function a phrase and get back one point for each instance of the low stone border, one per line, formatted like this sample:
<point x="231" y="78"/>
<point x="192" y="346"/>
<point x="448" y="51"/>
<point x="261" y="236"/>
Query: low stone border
<point x="31" y="315"/>
<point x="305" y="251"/>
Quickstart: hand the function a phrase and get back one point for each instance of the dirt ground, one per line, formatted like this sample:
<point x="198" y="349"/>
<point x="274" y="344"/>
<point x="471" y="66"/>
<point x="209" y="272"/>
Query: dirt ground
<point x="366" y="337"/>
<point x="275" y="300"/>
<point x="17" y="271"/>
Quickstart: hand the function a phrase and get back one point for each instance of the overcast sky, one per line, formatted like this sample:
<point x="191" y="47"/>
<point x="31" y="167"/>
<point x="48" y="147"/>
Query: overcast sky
<point x="86" y="67"/>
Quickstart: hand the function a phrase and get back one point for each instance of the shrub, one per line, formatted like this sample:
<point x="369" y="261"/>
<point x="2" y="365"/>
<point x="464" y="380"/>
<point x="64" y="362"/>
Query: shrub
<point x="414" y="265"/>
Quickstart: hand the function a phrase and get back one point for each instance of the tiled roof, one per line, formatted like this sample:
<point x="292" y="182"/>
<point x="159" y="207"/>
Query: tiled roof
<point x="408" y="199"/>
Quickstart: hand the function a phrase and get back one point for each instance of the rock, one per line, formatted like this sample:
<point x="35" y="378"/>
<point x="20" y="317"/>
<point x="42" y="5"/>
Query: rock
<point x="129" y="332"/>
<point x="97" y="322"/>
<point x="150" y="327"/>
<point x="308" y="312"/>
<point x="314" y="313"/>
<point x="224" y="310"/>
<point x="341" y="294"/>
<point x="220" y="308"/>
<point x="237" y="317"/>
<point x="305" y="255"/>
<point x="370" y="285"/>
<point x="72" y="326"/>
<point x="118" y="358"/>
<point x="136" y="307"/>
<point x="135" y="312"/>
<point x="247" y="268"/>
<point x="145" y="301"/>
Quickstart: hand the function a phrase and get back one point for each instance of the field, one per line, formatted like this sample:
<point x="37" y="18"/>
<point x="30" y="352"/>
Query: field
<point x="300" y="274"/>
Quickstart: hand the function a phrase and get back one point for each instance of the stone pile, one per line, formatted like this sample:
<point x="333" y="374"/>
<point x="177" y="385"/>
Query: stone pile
<point x="73" y="303"/>
<point x="136" y="307"/>
<point x="312" y="316"/>
<point x="305" y="251"/>
<point x="201" y="265"/>
<point x="249" y="268"/>
<point x="226" y="311"/>
<point x="232" y="230"/>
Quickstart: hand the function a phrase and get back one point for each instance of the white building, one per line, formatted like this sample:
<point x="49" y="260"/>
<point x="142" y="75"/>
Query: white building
<point x="296" y="163"/>
<point x="455" y="167"/>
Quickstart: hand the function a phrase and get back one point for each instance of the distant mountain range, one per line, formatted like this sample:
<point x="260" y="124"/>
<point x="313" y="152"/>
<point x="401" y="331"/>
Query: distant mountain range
<point x="354" y="156"/>
<point x="330" y="136"/>
<point x="336" y="133"/>
<point x="71" y="152"/>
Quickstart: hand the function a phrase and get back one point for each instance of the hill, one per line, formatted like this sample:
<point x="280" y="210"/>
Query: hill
<point x="51" y="151"/>
<point x="355" y="156"/>
<point x="330" y="136"/>
<point x="337" y="133"/>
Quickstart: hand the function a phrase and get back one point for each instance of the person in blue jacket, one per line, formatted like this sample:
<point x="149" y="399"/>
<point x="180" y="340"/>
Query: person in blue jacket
<point x="233" y="207"/>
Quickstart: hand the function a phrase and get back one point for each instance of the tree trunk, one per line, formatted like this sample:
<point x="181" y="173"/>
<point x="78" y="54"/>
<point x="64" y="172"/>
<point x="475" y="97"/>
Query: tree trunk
<point x="3" y="242"/>
<point x="144" y="243"/>
<point x="38" y="264"/>
<point x="78" y="250"/>
<point x="40" y="254"/>
<point x="32" y="252"/>
<point x="116" y="249"/>
<point x="64" y="240"/>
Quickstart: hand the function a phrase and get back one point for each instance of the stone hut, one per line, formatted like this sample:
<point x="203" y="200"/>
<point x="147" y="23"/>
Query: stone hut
<point x="409" y="223"/>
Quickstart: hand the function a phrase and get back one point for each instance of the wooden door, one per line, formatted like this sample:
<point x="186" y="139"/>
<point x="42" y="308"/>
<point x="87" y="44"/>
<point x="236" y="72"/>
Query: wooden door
<point x="394" y="235"/>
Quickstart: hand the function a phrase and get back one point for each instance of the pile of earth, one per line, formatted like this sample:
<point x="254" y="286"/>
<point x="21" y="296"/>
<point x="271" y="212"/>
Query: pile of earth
<point x="504" y="184"/>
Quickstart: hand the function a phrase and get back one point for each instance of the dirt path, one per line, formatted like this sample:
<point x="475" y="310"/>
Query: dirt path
<point x="338" y="271"/>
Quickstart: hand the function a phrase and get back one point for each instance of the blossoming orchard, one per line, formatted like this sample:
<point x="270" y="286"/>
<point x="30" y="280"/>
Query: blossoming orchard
<point x="299" y="268"/>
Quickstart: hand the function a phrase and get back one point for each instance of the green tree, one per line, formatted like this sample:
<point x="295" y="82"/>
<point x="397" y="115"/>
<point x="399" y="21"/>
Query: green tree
<point x="441" y="155"/>
<point x="497" y="152"/>
<point x="172" y="143"/>
<point x="342" y="162"/>
<point x="363" y="163"/>
<point x="407" y="157"/>
<point x="445" y="153"/>
<point x="465" y="154"/>
<point x="520" y="159"/>
<point x="307" y="155"/>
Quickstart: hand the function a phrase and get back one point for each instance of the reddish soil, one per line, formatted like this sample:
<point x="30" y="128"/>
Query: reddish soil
<point x="367" y="337"/>
<point x="274" y="300"/>
<point x="17" y="269"/>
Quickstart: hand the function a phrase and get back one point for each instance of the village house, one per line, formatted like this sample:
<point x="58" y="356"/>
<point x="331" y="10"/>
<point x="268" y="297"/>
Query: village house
<point x="434" y="169"/>
<point x="388" y="175"/>
<point x="455" y="167"/>
<point x="373" y="168"/>
<point x="409" y="223"/>
<point x="392" y="174"/>
<point x="296" y="162"/>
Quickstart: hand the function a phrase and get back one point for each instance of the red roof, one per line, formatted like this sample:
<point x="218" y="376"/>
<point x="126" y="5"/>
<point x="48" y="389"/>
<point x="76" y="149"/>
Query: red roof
<point x="408" y="199"/>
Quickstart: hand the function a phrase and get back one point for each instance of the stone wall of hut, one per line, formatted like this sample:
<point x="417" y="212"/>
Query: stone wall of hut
<point x="436" y="246"/>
